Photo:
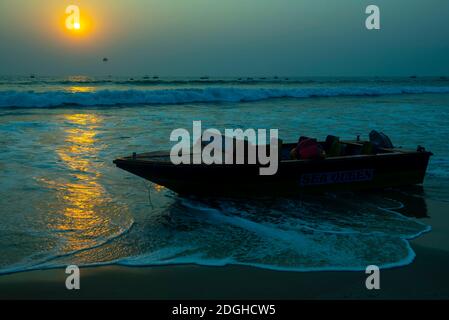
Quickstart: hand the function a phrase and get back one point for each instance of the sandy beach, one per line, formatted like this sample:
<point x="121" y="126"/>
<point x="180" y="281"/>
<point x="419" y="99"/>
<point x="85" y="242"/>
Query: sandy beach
<point x="425" y="278"/>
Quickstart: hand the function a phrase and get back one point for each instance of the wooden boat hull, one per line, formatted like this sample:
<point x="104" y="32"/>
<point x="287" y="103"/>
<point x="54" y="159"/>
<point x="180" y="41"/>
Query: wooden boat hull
<point x="359" y="172"/>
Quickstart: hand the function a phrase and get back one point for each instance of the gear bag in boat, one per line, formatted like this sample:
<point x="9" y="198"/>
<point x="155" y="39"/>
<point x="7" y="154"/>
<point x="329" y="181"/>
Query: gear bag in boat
<point x="308" y="148"/>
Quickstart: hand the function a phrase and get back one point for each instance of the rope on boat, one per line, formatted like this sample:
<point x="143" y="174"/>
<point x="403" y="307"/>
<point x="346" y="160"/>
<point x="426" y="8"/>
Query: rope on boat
<point x="148" y="187"/>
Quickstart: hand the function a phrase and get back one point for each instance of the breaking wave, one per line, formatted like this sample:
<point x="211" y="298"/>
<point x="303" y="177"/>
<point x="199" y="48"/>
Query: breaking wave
<point x="285" y="235"/>
<point x="30" y="99"/>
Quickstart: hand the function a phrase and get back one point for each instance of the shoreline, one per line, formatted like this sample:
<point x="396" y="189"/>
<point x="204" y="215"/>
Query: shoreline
<point x="427" y="277"/>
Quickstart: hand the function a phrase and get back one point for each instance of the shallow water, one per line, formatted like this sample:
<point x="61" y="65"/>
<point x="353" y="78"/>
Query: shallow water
<point x="62" y="201"/>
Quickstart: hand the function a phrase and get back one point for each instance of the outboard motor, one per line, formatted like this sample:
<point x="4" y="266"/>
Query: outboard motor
<point x="380" y="140"/>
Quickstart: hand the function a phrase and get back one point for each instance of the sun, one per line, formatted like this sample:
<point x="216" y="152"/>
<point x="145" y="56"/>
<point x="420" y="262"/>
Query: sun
<point x="76" y="20"/>
<point x="77" y="23"/>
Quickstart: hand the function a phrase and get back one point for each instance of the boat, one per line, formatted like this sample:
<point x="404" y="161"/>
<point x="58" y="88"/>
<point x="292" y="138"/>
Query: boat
<point x="352" y="171"/>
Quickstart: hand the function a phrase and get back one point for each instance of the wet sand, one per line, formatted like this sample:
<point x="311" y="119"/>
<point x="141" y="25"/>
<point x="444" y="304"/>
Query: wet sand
<point x="426" y="278"/>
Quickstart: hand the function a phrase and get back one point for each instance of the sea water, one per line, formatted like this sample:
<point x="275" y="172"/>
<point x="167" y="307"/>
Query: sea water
<point x="63" y="201"/>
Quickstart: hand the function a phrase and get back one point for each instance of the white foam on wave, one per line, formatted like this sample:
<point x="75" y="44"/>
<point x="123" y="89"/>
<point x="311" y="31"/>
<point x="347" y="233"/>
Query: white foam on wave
<point x="269" y="237"/>
<point x="30" y="264"/>
<point x="30" y="99"/>
<point x="308" y="249"/>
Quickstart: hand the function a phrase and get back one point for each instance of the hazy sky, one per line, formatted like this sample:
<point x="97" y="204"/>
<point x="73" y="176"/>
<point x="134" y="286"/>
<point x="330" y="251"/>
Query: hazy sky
<point x="225" y="38"/>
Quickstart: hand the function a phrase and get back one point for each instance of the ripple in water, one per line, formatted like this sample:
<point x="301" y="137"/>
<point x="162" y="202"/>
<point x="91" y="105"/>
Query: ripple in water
<point x="331" y="232"/>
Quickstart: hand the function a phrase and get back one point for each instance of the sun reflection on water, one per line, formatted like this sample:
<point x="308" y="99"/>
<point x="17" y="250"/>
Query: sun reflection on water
<point x="84" y="208"/>
<point x="85" y="195"/>
<point x="80" y="89"/>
